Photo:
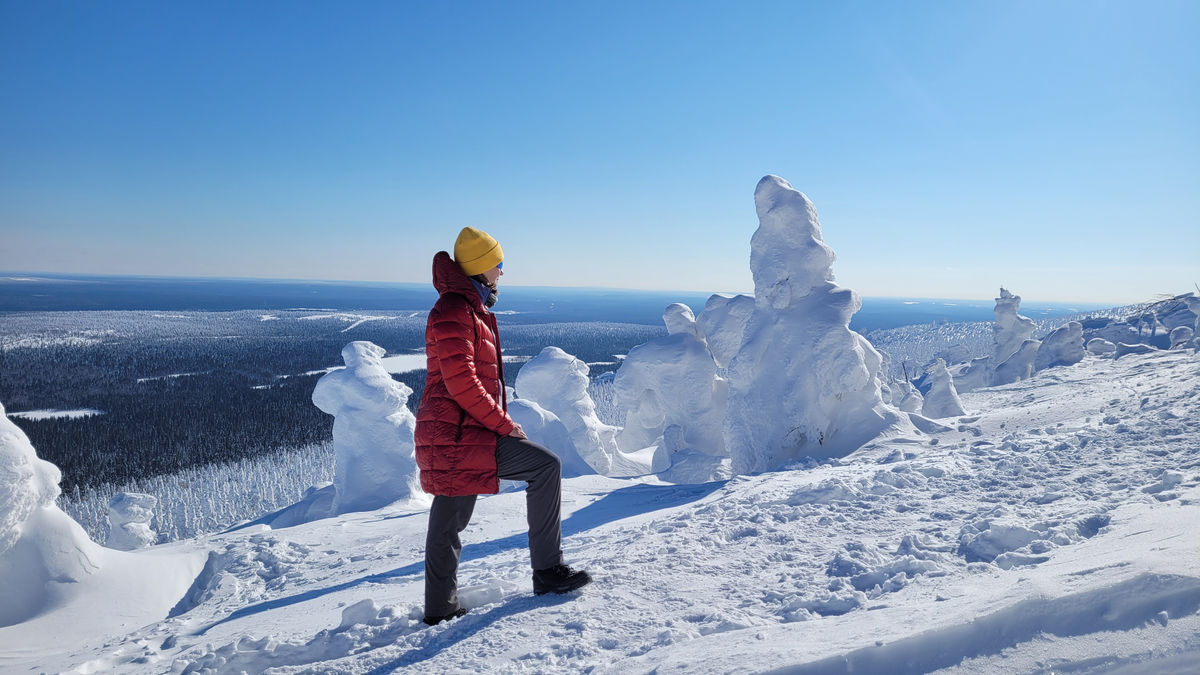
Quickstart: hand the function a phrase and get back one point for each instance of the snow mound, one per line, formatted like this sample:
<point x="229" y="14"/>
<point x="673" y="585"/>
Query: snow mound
<point x="1062" y="347"/>
<point x="1181" y="337"/>
<point x="899" y="391"/>
<point x="41" y="548"/>
<point x="1101" y="347"/>
<point x="1124" y="348"/>
<point x="802" y="383"/>
<point x="375" y="461"/>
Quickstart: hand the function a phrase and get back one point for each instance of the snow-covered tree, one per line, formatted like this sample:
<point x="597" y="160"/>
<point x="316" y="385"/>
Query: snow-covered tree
<point x="373" y="444"/>
<point x="802" y="383"/>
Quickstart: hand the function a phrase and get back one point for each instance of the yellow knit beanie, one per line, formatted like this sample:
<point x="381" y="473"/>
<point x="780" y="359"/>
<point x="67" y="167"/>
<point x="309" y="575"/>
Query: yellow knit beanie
<point x="476" y="251"/>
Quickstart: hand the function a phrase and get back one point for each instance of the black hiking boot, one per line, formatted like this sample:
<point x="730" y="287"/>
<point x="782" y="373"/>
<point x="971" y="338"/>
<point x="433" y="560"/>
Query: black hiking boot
<point x="559" y="579"/>
<point x="435" y="620"/>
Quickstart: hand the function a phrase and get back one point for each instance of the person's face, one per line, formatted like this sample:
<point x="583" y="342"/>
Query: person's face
<point x="493" y="275"/>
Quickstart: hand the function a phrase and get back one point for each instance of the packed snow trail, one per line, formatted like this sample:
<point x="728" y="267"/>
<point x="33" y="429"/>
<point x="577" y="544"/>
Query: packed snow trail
<point x="1051" y="527"/>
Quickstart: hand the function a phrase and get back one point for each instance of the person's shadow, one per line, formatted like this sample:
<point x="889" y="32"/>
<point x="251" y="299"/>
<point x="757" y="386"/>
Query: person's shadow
<point x="460" y="629"/>
<point x="616" y="505"/>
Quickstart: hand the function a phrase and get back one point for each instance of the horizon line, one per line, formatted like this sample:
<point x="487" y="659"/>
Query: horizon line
<point x="15" y="275"/>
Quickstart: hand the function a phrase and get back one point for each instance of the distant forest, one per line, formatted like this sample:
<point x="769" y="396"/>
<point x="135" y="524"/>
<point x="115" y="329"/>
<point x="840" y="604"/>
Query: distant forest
<point x="238" y="390"/>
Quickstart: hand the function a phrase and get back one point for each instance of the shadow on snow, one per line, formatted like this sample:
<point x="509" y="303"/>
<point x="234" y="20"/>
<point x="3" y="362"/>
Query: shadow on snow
<point x="616" y="505"/>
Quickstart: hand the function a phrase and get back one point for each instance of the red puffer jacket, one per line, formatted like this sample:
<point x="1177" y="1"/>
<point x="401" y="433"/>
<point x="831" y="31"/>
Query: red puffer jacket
<point x="464" y="408"/>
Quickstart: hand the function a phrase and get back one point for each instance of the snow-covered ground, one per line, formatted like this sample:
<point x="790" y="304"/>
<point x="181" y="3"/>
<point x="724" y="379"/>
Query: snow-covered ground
<point x="56" y="414"/>
<point x="1051" y="528"/>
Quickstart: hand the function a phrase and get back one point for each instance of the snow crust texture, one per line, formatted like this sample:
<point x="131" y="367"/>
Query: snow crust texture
<point x="375" y="462"/>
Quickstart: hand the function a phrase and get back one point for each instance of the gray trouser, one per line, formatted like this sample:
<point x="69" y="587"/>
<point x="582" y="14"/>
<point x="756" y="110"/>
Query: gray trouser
<point x="516" y="459"/>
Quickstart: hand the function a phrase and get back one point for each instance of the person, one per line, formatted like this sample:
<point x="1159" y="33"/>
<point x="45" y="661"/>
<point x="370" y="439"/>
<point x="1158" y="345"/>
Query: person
<point x="465" y="439"/>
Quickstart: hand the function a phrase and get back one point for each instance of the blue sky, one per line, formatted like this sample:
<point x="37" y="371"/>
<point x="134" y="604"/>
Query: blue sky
<point x="949" y="147"/>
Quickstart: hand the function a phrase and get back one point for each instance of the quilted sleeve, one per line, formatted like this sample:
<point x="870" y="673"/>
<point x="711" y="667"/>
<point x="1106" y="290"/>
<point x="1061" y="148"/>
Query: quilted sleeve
<point x="454" y="340"/>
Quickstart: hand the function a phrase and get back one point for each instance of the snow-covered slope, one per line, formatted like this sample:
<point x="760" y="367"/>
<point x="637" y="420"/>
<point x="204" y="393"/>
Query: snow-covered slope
<point x="1051" y="527"/>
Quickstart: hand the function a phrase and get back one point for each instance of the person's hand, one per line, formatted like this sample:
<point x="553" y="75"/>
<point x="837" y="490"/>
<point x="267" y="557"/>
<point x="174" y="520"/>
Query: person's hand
<point x="518" y="432"/>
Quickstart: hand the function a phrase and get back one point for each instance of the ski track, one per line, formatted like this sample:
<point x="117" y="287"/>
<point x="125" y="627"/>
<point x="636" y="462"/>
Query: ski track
<point x="1033" y="469"/>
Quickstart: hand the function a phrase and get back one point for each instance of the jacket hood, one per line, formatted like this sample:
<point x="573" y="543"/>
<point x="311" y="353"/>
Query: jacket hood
<point x="448" y="277"/>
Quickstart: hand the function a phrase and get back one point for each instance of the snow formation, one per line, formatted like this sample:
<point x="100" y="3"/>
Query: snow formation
<point x="1062" y="347"/>
<point x="373" y="444"/>
<point x="1101" y="347"/>
<point x="558" y="383"/>
<point x="42" y="551"/>
<point x="1181" y="336"/>
<point x="941" y="400"/>
<point x="722" y="322"/>
<point x="903" y="395"/>
<point x="129" y="516"/>
<point x="975" y="374"/>
<point x="802" y="384"/>
<point x="544" y="428"/>
<point x="1193" y="304"/>
<point x="1011" y="329"/>
<point x="673" y="398"/>
<point x="1019" y="366"/>
<point x="1124" y="348"/>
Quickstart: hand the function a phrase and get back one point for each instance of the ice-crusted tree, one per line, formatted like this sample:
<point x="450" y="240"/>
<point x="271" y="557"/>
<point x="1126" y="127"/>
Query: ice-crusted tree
<point x="129" y="516"/>
<point x="558" y="383"/>
<point x="942" y="400"/>
<point x="1019" y="366"/>
<point x="673" y="398"/>
<point x="40" y="546"/>
<point x="374" y="449"/>
<point x="672" y="381"/>
<point x="1011" y="329"/>
<point x="802" y="384"/>
<point x="898" y="392"/>
<point x="544" y="428"/>
<point x="722" y="322"/>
